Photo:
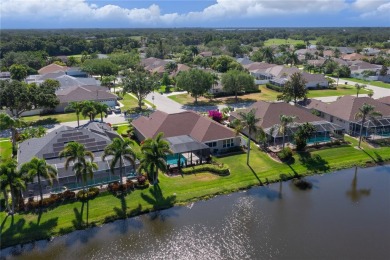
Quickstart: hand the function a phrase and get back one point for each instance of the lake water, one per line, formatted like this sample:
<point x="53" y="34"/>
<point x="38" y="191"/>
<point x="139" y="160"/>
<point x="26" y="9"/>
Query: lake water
<point x="346" y="215"/>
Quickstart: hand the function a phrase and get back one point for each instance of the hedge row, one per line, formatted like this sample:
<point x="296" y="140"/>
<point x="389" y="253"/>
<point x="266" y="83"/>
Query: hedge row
<point x="217" y="169"/>
<point x="274" y="87"/>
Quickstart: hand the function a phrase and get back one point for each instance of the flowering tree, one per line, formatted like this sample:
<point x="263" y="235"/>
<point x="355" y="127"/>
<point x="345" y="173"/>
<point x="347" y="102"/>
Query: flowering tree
<point x="215" y="115"/>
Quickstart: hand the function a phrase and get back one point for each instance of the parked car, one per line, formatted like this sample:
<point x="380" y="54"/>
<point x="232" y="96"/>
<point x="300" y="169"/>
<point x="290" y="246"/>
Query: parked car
<point x="117" y="110"/>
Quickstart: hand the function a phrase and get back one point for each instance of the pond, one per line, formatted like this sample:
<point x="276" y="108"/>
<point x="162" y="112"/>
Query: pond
<point x="345" y="215"/>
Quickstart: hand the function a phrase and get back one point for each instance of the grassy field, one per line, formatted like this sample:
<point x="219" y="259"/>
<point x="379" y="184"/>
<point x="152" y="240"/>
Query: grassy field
<point x="65" y="218"/>
<point x="275" y="41"/>
<point x="5" y="148"/>
<point x="52" y="119"/>
<point x="374" y="83"/>
<point x="266" y="94"/>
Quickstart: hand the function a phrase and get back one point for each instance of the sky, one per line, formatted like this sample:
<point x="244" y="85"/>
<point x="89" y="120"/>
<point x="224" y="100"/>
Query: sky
<point x="40" y="14"/>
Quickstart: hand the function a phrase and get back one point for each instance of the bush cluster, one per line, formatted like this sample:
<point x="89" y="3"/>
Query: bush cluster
<point x="285" y="154"/>
<point x="274" y="87"/>
<point x="117" y="187"/>
<point x="52" y="200"/>
<point x="217" y="169"/>
<point x="91" y="193"/>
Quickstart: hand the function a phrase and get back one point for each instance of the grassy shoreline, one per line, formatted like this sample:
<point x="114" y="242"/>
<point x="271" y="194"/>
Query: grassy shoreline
<point x="63" y="219"/>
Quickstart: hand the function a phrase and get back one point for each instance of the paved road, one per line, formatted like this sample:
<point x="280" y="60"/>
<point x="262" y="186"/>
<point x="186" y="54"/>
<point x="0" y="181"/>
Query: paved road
<point x="163" y="103"/>
<point x="378" y="91"/>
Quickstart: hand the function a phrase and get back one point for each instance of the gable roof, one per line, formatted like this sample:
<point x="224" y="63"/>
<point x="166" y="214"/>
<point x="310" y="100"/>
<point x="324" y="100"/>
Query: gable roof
<point x="385" y="100"/>
<point x="201" y="128"/>
<point x="81" y="93"/>
<point x="346" y="107"/>
<point x="270" y="112"/>
<point x="353" y="56"/>
<point x="52" y="68"/>
<point x="258" y="66"/>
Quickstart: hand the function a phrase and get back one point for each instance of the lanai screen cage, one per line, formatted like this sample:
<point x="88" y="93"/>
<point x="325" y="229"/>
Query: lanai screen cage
<point x="324" y="132"/>
<point x="373" y="127"/>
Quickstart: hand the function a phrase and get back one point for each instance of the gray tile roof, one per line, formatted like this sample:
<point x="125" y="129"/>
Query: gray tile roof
<point x="87" y="92"/>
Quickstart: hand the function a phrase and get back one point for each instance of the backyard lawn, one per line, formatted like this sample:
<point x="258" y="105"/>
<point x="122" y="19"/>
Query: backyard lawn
<point x="52" y="119"/>
<point x="182" y="189"/>
<point x="373" y="83"/>
<point x="5" y="148"/>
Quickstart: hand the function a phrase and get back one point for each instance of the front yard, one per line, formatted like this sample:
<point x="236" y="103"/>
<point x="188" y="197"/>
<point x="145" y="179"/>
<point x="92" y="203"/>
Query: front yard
<point x="367" y="82"/>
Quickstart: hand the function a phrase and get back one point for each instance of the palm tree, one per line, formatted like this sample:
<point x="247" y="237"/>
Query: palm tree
<point x="89" y="110"/>
<point x="285" y="121"/>
<point x="120" y="150"/>
<point x="359" y="88"/>
<point x="154" y="153"/>
<point x="10" y="177"/>
<point x="8" y="122"/>
<point x="268" y="55"/>
<point x="365" y="111"/>
<point x="39" y="167"/>
<point x="292" y="58"/>
<point x="100" y="109"/>
<point x="249" y="122"/>
<point x="76" y="153"/>
<point x="77" y="107"/>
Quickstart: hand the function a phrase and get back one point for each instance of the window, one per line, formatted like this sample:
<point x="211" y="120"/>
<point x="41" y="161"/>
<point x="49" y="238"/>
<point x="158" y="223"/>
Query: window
<point x="212" y="144"/>
<point x="228" y="143"/>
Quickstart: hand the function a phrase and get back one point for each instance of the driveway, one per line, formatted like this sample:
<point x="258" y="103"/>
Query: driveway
<point x="163" y="103"/>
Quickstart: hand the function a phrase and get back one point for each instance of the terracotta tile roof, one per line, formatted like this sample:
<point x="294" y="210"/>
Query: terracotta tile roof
<point x="206" y="54"/>
<point x="385" y="100"/>
<point x="269" y="113"/>
<point x="189" y="123"/>
<point x="346" y="107"/>
<point x="52" y="68"/>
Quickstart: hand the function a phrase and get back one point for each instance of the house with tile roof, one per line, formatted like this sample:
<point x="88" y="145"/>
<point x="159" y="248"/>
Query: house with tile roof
<point x="385" y="100"/>
<point x="269" y="114"/>
<point x="52" y="68"/>
<point x="344" y="110"/>
<point x="94" y="136"/>
<point x="188" y="123"/>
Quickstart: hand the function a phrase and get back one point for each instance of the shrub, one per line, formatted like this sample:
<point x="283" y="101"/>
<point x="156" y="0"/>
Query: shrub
<point x="274" y="87"/>
<point x="285" y="154"/>
<point x="215" y="115"/>
<point x="217" y="169"/>
<point x="68" y="195"/>
<point x="302" y="184"/>
<point x="87" y="195"/>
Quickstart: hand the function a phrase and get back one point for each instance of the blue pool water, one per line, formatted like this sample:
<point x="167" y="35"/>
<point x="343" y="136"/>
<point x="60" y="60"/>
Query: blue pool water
<point x="172" y="159"/>
<point x="319" y="139"/>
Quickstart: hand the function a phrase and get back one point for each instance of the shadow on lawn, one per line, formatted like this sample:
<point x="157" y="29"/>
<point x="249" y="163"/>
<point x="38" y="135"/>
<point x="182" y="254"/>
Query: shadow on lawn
<point x="313" y="163"/>
<point x="46" y="121"/>
<point x="121" y="212"/>
<point x="254" y="173"/>
<point x="27" y="232"/>
<point x="157" y="199"/>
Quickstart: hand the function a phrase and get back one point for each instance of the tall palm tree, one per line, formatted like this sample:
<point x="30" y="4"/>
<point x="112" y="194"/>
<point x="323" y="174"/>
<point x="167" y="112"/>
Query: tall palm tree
<point x="89" y="110"/>
<point x="154" y="153"/>
<point x="365" y="111"/>
<point x="77" y="107"/>
<point x="8" y="122"/>
<point x="76" y="153"/>
<point x="249" y="122"/>
<point x="120" y="150"/>
<point x="100" y="109"/>
<point x="268" y="55"/>
<point x="39" y="167"/>
<point x="292" y="58"/>
<point x="285" y="121"/>
<point x="12" y="179"/>
<point x="359" y="88"/>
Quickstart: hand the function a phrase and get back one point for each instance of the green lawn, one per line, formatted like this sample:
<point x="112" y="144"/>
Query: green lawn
<point x="374" y="83"/>
<point x="182" y="189"/>
<point x="5" y="148"/>
<point x="276" y="41"/>
<point x="341" y="90"/>
<point x="130" y="102"/>
<point x="52" y="119"/>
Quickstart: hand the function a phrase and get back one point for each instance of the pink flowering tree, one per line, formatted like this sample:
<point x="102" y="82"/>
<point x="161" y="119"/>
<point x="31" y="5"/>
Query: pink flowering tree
<point x="215" y="115"/>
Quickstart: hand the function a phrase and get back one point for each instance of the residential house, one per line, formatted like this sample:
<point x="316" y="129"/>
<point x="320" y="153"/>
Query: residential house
<point x="358" y="68"/>
<point x="52" y="68"/>
<point x="201" y="129"/>
<point x="353" y="56"/>
<point x="371" y="51"/>
<point x="4" y="75"/>
<point x="95" y="137"/>
<point x="346" y="50"/>
<point x="206" y="54"/>
<point x="269" y="114"/>
<point x="385" y="100"/>
<point x="343" y="112"/>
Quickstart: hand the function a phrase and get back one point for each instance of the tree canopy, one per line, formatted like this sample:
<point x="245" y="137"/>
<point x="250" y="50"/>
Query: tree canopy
<point x="237" y="81"/>
<point x="294" y="89"/>
<point x="196" y="82"/>
<point x="101" y="67"/>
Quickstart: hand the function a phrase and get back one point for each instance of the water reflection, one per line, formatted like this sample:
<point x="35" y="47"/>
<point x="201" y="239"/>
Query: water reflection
<point x="354" y="193"/>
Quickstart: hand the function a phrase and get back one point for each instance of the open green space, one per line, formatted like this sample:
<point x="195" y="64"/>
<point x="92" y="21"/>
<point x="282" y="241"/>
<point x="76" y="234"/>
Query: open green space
<point x="373" y="83"/>
<point x="52" y="119"/>
<point x="130" y="102"/>
<point x="5" y="148"/>
<point x="22" y="228"/>
<point x="342" y="90"/>
<point x="277" y="41"/>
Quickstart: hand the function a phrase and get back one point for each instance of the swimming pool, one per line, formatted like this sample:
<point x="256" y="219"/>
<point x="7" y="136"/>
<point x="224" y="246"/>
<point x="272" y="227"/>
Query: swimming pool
<point x="172" y="159"/>
<point x="318" y="139"/>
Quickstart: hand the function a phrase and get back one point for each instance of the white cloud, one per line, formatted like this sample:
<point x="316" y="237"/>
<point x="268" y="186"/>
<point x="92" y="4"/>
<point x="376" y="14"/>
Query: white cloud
<point x="80" y="10"/>
<point x="381" y="11"/>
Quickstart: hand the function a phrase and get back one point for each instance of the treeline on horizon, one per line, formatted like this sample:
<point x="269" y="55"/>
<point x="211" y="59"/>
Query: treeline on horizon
<point x="56" y="42"/>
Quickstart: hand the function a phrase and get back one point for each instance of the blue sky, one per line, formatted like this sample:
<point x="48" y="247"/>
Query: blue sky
<point x="192" y="13"/>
